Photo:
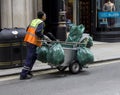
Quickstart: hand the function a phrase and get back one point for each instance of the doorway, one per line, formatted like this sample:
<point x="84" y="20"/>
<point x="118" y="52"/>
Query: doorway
<point x="85" y="14"/>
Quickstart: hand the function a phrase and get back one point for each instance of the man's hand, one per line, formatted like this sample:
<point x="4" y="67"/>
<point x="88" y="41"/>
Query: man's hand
<point x="47" y="38"/>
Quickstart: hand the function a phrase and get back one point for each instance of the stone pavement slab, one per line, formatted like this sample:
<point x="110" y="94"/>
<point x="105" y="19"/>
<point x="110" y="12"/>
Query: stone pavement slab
<point x="106" y="51"/>
<point x="38" y="66"/>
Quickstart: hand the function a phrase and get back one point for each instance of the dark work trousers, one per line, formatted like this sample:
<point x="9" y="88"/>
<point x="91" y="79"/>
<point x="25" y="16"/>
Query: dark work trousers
<point x="30" y="59"/>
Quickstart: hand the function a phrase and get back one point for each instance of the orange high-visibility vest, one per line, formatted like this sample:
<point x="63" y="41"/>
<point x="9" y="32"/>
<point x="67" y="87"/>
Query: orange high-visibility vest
<point x="30" y="36"/>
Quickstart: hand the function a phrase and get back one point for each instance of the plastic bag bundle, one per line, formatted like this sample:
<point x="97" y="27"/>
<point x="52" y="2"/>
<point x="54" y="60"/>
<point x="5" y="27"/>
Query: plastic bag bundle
<point x="87" y="42"/>
<point x="85" y="56"/>
<point x="56" y="54"/>
<point x="75" y="33"/>
<point x="42" y="53"/>
<point x="90" y="42"/>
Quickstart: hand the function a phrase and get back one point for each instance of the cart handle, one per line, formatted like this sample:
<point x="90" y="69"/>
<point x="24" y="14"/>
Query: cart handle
<point x="77" y="43"/>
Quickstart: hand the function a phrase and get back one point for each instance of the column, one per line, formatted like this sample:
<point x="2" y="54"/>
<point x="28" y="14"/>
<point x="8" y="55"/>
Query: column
<point x="61" y="31"/>
<point x="22" y="12"/>
<point x="16" y="13"/>
<point x="6" y="14"/>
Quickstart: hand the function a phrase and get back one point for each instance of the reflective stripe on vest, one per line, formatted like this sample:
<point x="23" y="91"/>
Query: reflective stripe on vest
<point x="30" y="35"/>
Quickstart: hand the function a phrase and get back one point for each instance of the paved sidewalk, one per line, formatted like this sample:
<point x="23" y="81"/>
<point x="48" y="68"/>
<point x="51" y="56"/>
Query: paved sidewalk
<point x="102" y="51"/>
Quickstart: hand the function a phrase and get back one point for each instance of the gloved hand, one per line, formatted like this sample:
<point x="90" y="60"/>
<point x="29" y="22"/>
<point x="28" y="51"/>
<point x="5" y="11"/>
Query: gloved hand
<point x="47" y="38"/>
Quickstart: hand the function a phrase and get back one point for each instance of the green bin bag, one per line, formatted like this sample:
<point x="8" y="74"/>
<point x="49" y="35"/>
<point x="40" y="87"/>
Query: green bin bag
<point x="87" y="42"/>
<point x="90" y="42"/>
<point x="55" y="55"/>
<point x="85" y="56"/>
<point x="42" y="53"/>
<point x="75" y="33"/>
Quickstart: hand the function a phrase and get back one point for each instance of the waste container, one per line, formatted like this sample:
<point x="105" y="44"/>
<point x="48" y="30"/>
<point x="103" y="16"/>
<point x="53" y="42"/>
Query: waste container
<point x="12" y="47"/>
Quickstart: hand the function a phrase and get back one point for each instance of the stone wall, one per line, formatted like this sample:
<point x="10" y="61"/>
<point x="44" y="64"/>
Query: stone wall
<point x="18" y="13"/>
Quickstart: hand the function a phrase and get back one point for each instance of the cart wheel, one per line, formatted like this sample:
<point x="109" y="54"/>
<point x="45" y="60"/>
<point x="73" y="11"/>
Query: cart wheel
<point x="61" y="68"/>
<point x="75" y="67"/>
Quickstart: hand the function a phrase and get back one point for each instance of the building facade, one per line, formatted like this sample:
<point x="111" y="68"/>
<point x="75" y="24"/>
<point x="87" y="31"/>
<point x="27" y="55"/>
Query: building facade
<point x="100" y="17"/>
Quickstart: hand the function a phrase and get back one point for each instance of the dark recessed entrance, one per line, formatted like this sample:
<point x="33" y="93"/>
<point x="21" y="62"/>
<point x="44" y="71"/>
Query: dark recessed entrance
<point x="85" y="14"/>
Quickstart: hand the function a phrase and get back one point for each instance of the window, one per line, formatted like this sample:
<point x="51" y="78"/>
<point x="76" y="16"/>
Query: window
<point x="108" y="13"/>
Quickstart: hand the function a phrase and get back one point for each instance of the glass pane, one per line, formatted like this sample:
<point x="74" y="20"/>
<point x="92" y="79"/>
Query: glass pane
<point x="108" y="13"/>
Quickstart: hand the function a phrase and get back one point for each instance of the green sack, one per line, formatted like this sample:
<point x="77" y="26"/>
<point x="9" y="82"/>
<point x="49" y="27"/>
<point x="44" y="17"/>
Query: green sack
<point x="75" y="33"/>
<point x="87" y="42"/>
<point x="56" y="54"/>
<point x="85" y="56"/>
<point x="84" y="42"/>
<point x="42" y="53"/>
<point x="90" y="42"/>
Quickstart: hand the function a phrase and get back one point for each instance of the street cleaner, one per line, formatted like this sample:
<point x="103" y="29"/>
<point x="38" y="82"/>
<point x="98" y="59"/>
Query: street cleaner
<point x="33" y="40"/>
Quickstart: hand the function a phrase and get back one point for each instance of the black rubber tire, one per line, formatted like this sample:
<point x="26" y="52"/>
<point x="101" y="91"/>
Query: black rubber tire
<point x="75" y="67"/>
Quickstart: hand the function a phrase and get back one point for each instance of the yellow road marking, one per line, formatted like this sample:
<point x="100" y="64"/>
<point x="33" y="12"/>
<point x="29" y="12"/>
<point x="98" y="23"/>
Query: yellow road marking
<point x="104" y="63"/>
<point x="6" y="78"/>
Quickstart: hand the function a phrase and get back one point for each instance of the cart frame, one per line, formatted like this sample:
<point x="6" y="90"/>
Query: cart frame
<point x="70" y="60"/>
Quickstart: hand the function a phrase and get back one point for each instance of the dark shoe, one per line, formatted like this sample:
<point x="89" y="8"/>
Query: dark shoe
<point x="26" y="77"/>
<point x="30" y="74"/>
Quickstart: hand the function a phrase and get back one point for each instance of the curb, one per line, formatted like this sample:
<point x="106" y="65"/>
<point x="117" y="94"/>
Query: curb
<point x="17" y="73"/>
<point x="45" y="69"/>
<point x="106" y="60"/>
